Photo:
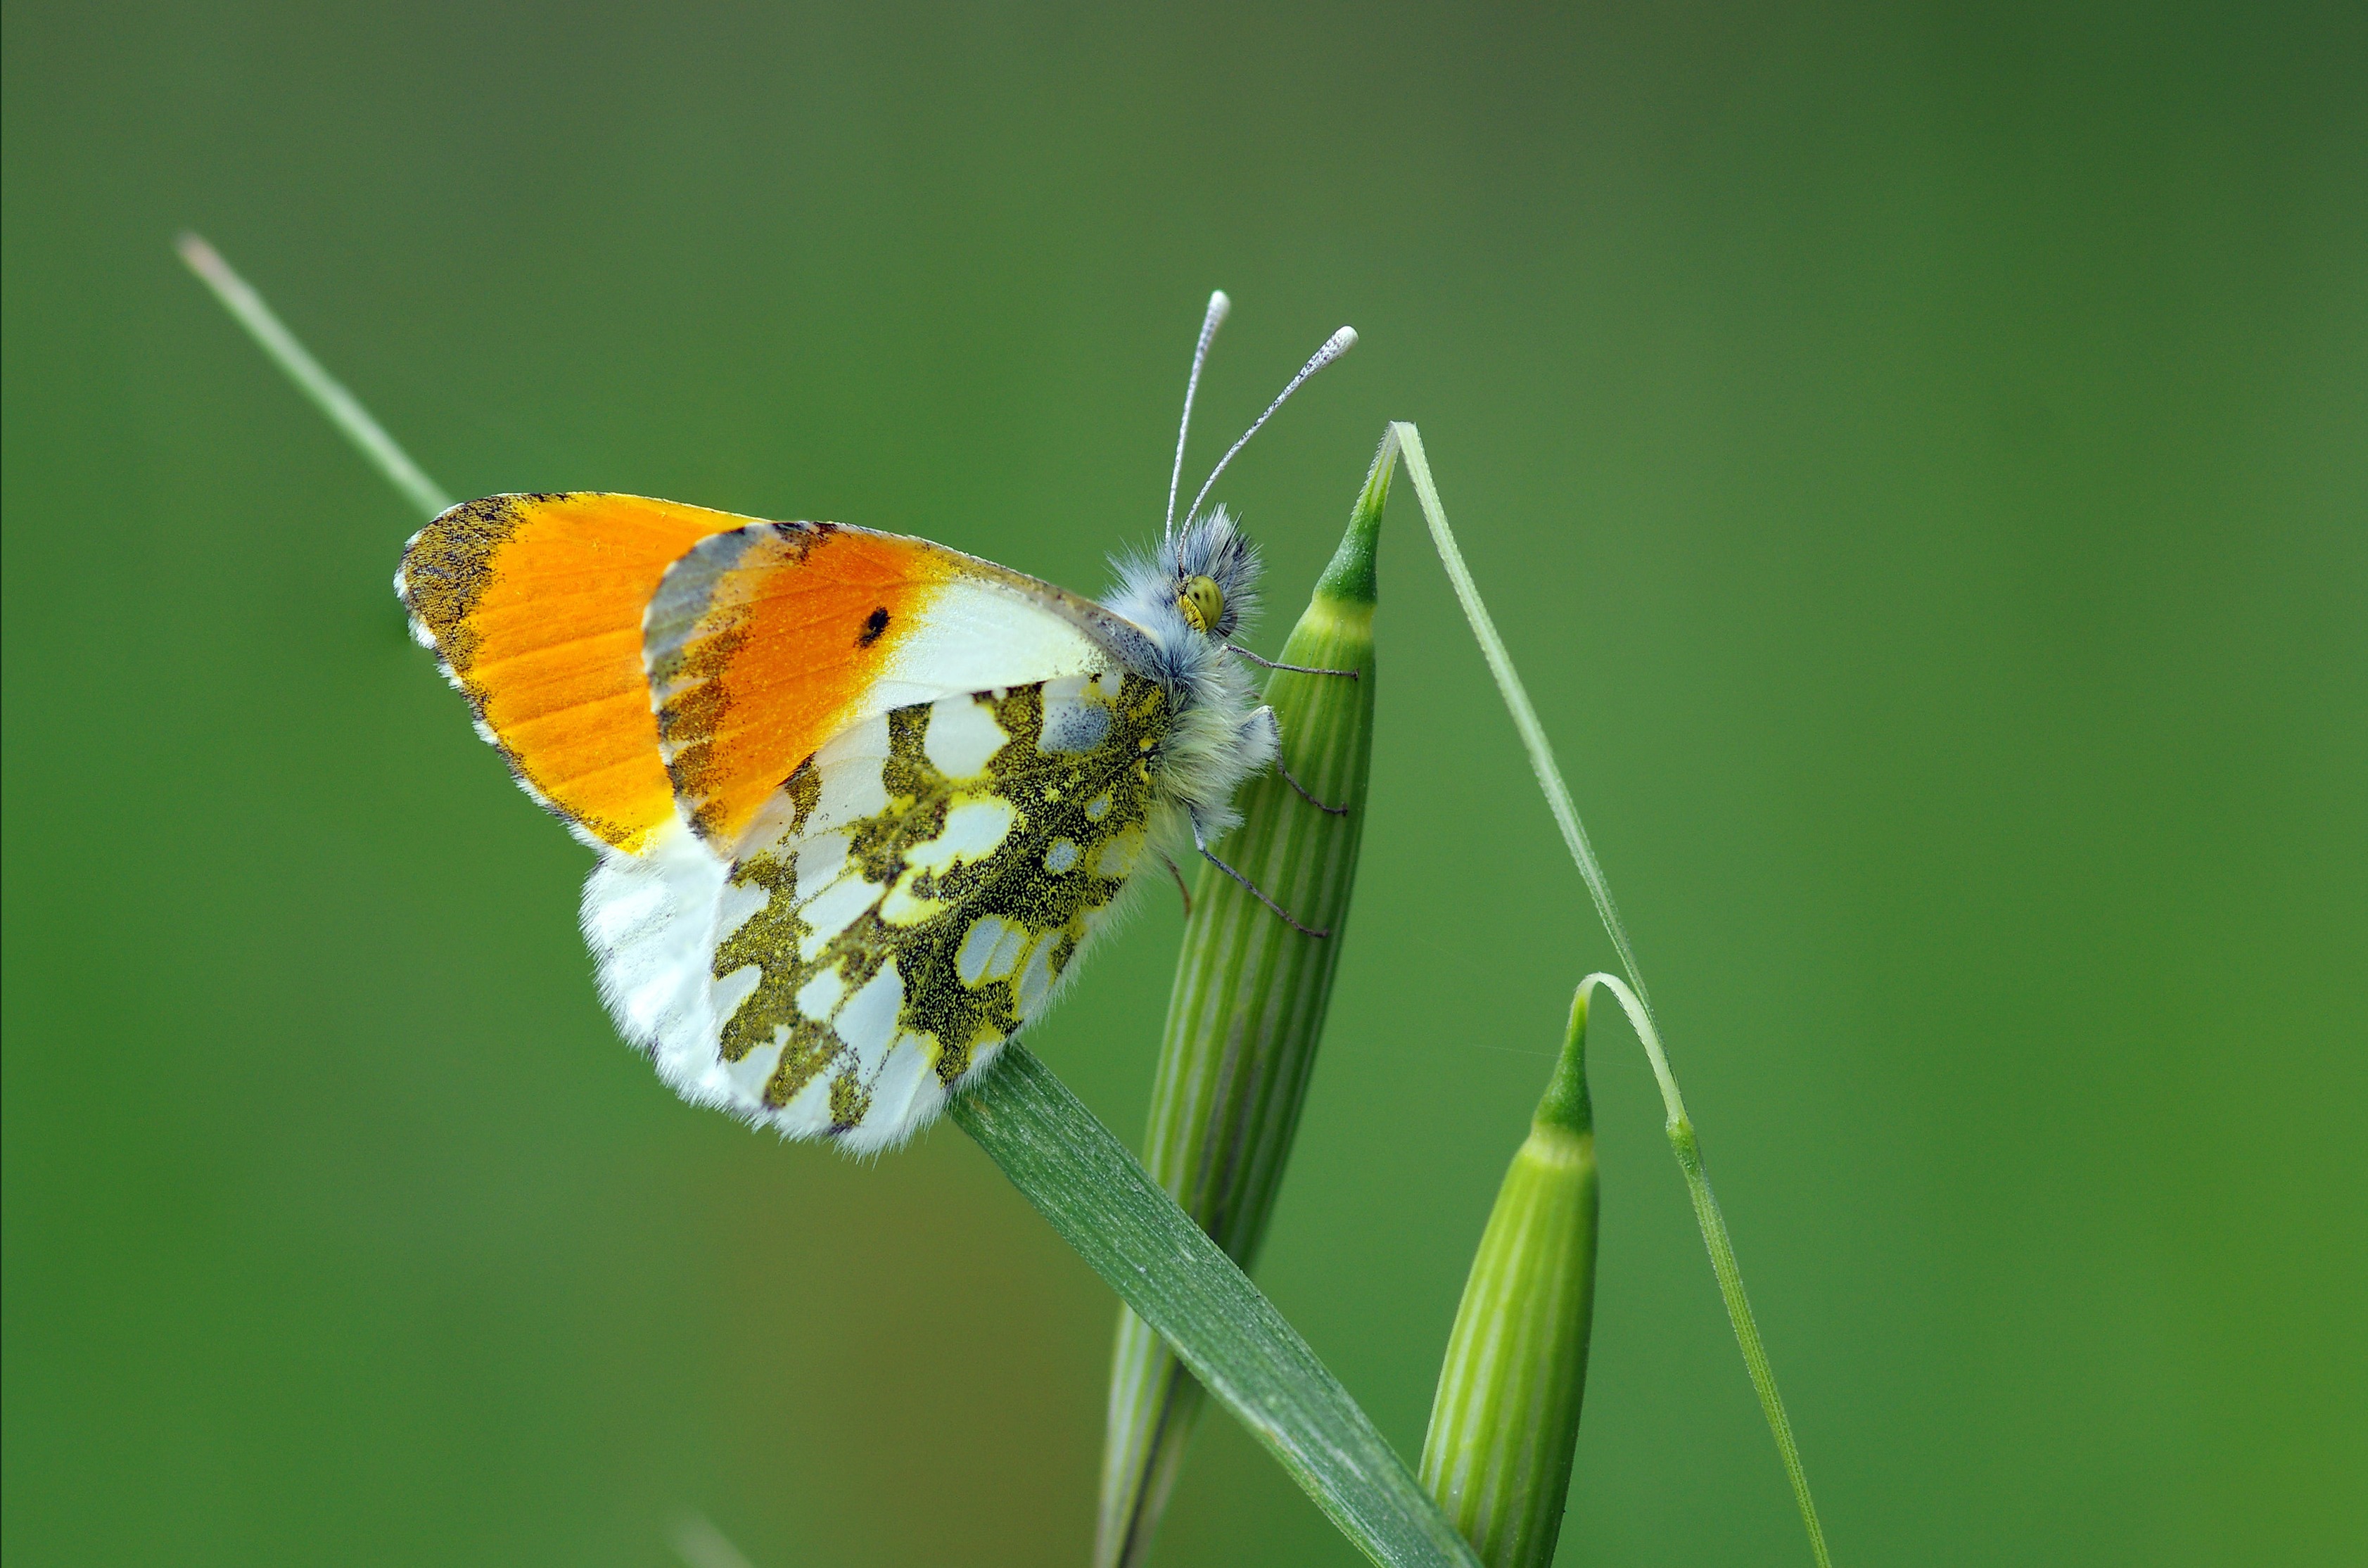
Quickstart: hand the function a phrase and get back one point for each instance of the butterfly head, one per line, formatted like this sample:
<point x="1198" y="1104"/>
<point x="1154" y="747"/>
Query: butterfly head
<point x="1212" y="575"/>
<point x="1200" y="601"/>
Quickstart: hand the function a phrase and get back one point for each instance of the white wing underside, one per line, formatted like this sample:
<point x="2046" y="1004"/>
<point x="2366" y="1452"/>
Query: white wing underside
<point x="657" y="921"/>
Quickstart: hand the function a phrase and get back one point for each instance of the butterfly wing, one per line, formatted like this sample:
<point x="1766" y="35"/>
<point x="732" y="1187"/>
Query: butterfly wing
<point x="534" y="604"/>
<point x="910" y="897"/>
<point x="624" y="653"/>
<point x="764" y="643"/>
<point x="915" y="783"/>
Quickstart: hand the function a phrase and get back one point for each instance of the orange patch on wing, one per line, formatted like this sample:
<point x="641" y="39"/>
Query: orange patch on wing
<point x="793" y="632"/>
<point x="536" y="604"/>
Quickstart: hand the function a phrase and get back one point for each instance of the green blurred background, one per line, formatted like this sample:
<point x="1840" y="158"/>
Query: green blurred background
<point x="1920" y="456"/>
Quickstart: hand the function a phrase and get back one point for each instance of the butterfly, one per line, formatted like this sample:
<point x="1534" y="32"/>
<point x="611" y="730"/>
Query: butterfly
<point x="860" y="800"/>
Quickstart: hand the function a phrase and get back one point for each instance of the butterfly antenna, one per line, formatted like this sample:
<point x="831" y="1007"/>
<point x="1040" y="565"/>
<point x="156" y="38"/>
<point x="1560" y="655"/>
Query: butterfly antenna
<point x="1219" y="309"/>
<point x="1339" y="343"/>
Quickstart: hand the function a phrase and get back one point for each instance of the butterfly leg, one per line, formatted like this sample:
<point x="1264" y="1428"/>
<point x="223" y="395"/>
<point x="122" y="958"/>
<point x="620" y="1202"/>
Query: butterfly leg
<point x="1283" y="914"/>
<point x="1176" y="872"/>
<point x="1340" y="810"/>
<point x="1294" y="669"/>
<point x="1272" y="744"/>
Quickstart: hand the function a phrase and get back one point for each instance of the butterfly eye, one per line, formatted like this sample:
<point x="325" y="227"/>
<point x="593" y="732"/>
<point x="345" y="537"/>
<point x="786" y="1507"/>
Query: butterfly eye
<point x="1202" y="602"/>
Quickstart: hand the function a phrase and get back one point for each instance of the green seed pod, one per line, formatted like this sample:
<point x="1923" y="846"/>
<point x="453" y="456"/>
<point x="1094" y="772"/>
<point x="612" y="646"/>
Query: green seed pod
<point x="1248" y="1006"/>
<point x="1505" y="1418"/>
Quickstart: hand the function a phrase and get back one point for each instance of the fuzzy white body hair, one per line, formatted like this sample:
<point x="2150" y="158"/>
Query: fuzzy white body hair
<point x="1222" y="735"/>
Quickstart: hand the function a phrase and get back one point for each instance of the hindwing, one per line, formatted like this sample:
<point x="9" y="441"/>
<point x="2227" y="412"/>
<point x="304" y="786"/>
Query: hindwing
<point x="911" y="896"/>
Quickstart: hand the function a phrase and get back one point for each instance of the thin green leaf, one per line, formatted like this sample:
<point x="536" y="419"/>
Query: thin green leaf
<point x="344" y="409"/>
<point x="1637" y="1001"/>
<point x="1516" y="701"/>
<point x="1105" y="1205"/>
<point x="1687" y="1146"/>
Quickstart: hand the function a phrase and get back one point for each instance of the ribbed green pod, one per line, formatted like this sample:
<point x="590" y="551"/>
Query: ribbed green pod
<point x="1505" y="1418"/>
<point x="1248" y="1006"/>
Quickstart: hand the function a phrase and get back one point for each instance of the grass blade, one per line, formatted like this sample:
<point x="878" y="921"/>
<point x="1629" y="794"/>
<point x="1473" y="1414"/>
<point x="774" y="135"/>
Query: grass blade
<point x="1632" y="995"/>
<point x="1247" y="1008"/>
<point x="701" y="1545"/>
<point x="328" y="395"/>
<point x="1105" y="1205"/>
<point x="1517" y="702"/>
<point x="1687" y="1146"/>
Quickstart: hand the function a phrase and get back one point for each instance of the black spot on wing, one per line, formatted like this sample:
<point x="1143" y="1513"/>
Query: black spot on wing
<point x="873" y="625"/>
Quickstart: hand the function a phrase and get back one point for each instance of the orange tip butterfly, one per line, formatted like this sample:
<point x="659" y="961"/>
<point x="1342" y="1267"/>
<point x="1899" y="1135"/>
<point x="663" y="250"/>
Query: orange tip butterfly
<point x="860" y="801"/>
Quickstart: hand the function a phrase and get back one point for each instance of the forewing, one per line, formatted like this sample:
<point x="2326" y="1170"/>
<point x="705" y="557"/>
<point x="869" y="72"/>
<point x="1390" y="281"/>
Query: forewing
<point x="763" y="644"/>
<point x="535" y="604"/>
<point x="912" y="896"/>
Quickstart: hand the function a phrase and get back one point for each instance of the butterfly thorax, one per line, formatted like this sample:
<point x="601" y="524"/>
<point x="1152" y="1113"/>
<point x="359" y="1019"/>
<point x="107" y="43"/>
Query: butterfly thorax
<point x="1207" y="755"/>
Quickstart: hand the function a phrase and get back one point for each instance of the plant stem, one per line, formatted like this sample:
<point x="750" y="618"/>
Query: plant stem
<point x="345" y="411"/>
<point x="1687" y="1145"/>
<point x="1637" y="1001"/>
<point x="1517" y="700"/>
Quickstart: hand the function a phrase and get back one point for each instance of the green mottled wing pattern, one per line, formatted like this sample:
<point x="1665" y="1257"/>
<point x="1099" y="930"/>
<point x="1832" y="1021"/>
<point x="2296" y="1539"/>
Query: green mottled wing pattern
<point x="917" y="890"/>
